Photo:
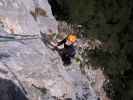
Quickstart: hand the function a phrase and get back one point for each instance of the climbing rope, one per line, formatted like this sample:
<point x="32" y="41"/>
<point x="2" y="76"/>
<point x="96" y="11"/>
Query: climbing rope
<point x="16" y="37"/>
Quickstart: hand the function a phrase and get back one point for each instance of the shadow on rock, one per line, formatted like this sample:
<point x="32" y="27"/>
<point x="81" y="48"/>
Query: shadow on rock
<point x="10" y="91"/>
<point x="4" y="55"/>
<point x="3" y="71"/>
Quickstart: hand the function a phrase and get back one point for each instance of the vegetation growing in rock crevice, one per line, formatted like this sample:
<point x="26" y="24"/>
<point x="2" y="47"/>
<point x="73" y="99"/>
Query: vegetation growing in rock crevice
<point x="111" y="22"/>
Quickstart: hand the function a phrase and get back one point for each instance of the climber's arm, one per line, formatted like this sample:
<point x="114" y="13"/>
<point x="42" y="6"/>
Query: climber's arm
<point x="61" y="42"/>
<point x="55" y="45"/>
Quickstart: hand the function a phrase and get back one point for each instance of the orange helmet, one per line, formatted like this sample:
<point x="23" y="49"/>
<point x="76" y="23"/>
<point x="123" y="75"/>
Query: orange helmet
<point x="72" y="38"/>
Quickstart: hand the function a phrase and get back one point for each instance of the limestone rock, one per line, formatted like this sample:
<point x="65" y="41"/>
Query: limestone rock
<point x="29" y="69"/>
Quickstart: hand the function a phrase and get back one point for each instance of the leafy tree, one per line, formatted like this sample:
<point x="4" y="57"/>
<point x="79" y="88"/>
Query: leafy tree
<point x="110" y="21"/>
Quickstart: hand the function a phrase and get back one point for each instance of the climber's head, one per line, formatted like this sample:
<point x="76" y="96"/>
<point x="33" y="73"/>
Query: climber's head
<point x="72" y="38"/>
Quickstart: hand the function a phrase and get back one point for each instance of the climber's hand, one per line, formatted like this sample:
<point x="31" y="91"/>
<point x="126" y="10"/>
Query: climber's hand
<point x="55" y="45"/>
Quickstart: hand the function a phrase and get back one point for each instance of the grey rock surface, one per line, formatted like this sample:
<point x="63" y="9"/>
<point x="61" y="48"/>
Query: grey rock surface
<point x="28" y="69"/>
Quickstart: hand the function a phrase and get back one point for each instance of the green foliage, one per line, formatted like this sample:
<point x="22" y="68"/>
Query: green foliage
<point x="110" y="21"/>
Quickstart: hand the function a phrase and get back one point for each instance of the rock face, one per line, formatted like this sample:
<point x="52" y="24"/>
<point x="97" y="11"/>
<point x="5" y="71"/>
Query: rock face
<point x="28" y="69"/>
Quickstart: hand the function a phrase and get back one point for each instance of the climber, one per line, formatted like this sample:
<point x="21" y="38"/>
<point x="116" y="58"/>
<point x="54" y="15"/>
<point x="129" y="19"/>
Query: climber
<point x="68" y="51"/>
